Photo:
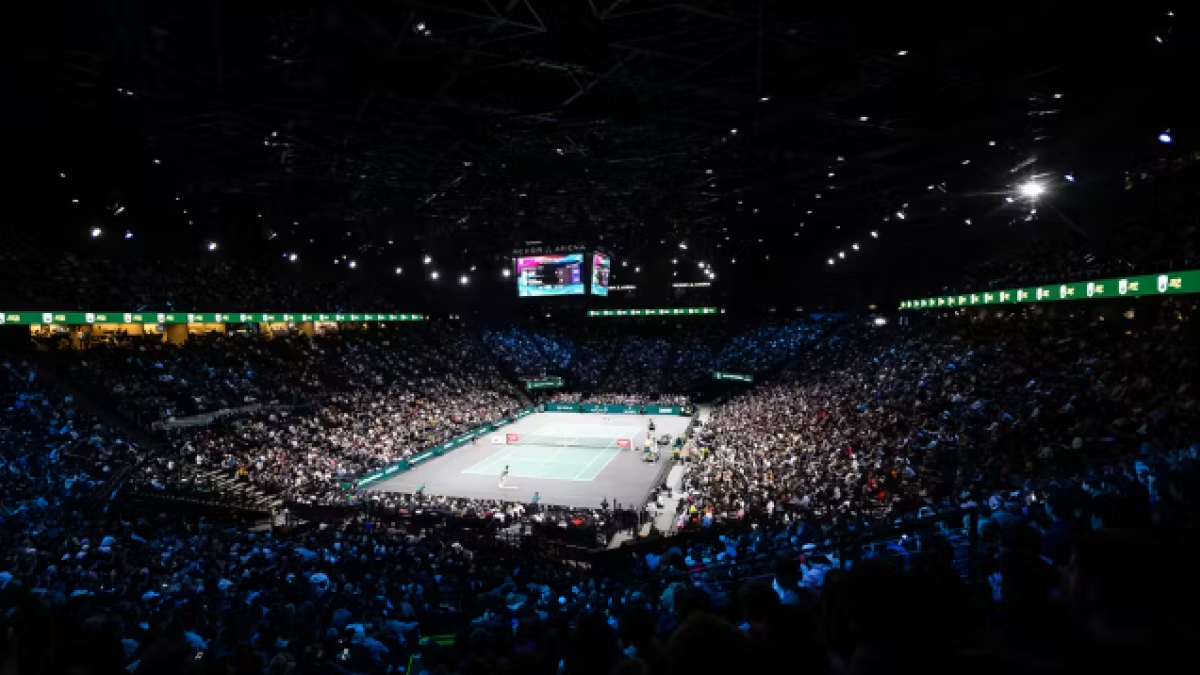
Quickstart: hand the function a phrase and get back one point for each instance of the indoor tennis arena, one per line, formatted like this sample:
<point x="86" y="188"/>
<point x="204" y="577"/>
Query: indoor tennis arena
<point x="569" y="459"/>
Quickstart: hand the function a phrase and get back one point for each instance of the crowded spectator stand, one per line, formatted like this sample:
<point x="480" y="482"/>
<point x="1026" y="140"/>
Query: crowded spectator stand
<point x="899" y="460"/>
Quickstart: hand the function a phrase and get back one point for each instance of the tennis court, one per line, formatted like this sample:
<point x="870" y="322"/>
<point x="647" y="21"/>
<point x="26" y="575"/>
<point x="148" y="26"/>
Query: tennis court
<point x="571" y="459"/>
<point x="559" y="451"/>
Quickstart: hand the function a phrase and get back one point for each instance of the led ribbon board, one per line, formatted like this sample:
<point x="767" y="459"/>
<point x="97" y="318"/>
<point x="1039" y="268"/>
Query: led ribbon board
<point x="1145" y="285"/>
<point x="79" y="318"/>
<point x="735" y="377"/>
<point x="670" y="311"/>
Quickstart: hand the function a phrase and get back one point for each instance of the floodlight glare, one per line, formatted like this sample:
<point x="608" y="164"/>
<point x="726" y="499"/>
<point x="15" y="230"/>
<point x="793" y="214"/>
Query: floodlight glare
<point x="1032" y="190"/>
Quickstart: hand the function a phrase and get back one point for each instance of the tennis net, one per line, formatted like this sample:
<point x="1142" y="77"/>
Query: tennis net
<point x="568" y="441"/>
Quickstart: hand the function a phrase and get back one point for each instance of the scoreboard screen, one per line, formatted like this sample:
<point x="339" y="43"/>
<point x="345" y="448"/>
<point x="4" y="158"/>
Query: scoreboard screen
<point x="554" y="274"/>
<point x="600" y="272"/>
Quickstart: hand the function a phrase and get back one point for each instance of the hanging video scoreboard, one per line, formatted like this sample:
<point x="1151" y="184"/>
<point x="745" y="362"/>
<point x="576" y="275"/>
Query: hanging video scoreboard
<point x="601" y="269"/>
<point x="550" y="274"/>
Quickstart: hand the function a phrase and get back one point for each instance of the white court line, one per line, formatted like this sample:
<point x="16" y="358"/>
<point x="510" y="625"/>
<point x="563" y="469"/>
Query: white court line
<point x="589" y="464"/>
<point x="487" y="463"/>
<point x="553" y="455"/>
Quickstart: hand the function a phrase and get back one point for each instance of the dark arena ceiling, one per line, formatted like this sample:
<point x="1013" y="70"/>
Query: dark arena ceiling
<point x="766" y="137"/>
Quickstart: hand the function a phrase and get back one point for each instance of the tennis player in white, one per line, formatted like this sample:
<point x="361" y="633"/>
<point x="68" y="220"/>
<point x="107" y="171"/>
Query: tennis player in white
<point x="504" y="477"/>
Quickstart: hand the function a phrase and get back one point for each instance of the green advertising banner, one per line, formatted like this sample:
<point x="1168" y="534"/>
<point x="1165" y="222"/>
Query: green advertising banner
<point x="548" y="383"/>
<point x="615" y="409"/>
<point x="562" y="407"/>
<point x="670" y="311"/>
<point x="79" y="318"/>
<point x="1146" y="285"/>
<point x="735" y="377"/>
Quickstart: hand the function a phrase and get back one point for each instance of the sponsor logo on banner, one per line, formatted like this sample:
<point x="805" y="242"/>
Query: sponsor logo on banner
<point x="421" y="457"/>
<point x="89" y="317"/>
<point x="622" y="442"/>
<point x="513" y="438"/>
<point x="497" y="439"/>
<point x="1163" y="283"/>
<point x="391" y="469"/>
<point x="1123" y="286"/>
<point x="47" y="317"/>
<point x="3" y="317"/>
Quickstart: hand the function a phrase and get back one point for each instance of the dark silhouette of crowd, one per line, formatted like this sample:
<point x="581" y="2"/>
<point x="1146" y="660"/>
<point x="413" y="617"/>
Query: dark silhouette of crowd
<point x="1044" y="463"/>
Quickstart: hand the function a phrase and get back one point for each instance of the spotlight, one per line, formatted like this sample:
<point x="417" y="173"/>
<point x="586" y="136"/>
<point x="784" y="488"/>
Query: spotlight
<point x="463" y="280"/>
<point x="212" y="245"/>
<point x="353" y="264"/>
<point x="900" y="215"/>
<point x="864" y="118"/>
<point x="1070" y="177"/>
<point x="96" y="232"/>
<point x="399" y="270"/>
<point x="1032" y="190"/>
<point x="764" y="99"/>
<point x="700" y="265"/>
<point x="831" y="261"/>
<point x="128" y="234"/>
<point x="506" y="272"/>
<point x="854" y="246"/>
<point x="433" y="275"/>
<point x="841" y="254"/>
<point x="1165" y="137"/>
<point x="637" y="269"/>
<point x="874" y="234"/>
<point x="293" y="257"/>
<point x="902" y="52"/>
<point x="683" y="245"/>
<point x="428" y="260"/>
<point x="733" y="131"/>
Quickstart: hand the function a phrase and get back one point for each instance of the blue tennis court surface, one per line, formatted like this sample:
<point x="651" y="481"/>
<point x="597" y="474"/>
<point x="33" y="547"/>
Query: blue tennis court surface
<point x="565" y="459"/>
